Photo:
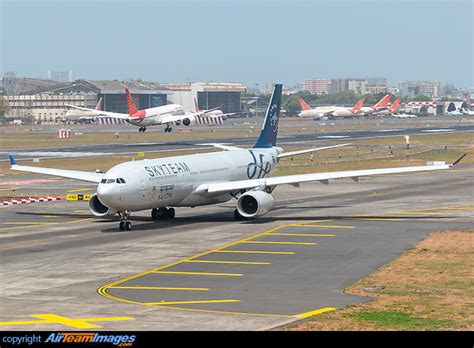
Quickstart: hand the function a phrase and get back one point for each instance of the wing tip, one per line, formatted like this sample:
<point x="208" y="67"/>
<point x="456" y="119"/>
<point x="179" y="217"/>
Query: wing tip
<point x="12" y="160"/>
<point x="458" y="160"/>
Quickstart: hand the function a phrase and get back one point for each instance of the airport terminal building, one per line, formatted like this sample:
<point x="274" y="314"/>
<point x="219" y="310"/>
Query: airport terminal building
<point x="47" y="102"/>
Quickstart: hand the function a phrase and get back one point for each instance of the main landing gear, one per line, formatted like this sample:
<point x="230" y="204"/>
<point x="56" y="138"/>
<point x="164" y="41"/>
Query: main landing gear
<point x="142" y="129"/>
<point x="125" y="225"/>
<point x="168" y="129"/>
<point x="162" y="214"/>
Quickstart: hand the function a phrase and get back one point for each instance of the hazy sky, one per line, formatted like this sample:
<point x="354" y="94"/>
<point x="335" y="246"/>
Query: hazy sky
<point x="236" y="40"/>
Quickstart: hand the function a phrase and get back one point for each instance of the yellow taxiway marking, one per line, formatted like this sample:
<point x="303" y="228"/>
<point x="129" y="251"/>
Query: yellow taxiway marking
<point x="51" y="216"/>
<point x="9" y="188"/>
<point x="302" y="234"/>
<point x="48" y="318"/>
<point x="158" y="288"/>
<point x="26" y="223"/>
<point x="448" y="208"/>
<point x="323" y="226"/>
<point x="81" y="211"/>
<point x="200" y="273"/>
<point x="256" y="252"/>
<point x="376" y="219"/>
<point x="414" y="212"/>
<point x="46" y="224"/>
<point x="315" y="312"/>
<point x="189" y="302"/>
<point x="82" y="189"/>
<point x="284" y="243"/>
<point x="230" y="262"/>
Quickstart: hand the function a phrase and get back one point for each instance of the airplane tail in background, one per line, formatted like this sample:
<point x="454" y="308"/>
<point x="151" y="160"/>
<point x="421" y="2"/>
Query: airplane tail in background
<point x="196" y="107"/>
<point x="269" y="132"/>
<point x="394" y="106"/>
<point x="382" y="103"/>
<point x="358" y="106"/>
<point x="99" y="105"/>
<point x="303" y="104"/>
<point x="132" y="108"/>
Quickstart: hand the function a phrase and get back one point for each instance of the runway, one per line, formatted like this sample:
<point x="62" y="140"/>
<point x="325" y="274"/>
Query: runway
<point x="204" y="271"/>
<point x="164" y="145"/>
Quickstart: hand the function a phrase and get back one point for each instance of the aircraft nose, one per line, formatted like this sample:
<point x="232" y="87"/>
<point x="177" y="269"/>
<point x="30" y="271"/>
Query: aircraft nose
<point x="106" y="194"/>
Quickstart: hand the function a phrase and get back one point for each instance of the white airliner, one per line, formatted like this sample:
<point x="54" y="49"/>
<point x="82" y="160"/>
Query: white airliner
<point x="161" y="115"/>
<point x="82" y="116"/>
<point x="378" y="107"/>
<point x="453" y="111"/>
<point x="466" y="111"/>
<point x="161" y="184"/>
<point x="329" y="111"/>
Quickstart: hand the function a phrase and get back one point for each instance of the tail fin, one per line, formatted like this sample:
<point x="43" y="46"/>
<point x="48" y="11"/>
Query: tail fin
<point x="382" y="103"/>
<point x="395" y="105"/>
<point x="196" y="107"/>
<point x="269" y="132"/>
<point x="132" y="108"/>
<point x="358" y="106"/>
<point x="99" y="104"/>
<point x="303" y="104"/>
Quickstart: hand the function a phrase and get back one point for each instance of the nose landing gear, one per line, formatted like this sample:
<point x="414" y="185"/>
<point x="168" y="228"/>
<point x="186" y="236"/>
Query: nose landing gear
<point x="168" y="128"/>
<point x="142" y="129"/>
<point x="125" y="225"/>
<point x="162" y="213"/>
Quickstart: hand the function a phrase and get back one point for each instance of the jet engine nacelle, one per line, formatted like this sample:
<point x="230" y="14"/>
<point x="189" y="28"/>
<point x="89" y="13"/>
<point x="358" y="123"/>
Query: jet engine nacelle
<point x="255" y="203"/>
<point x="191" y="120"/>
<point x="98" y="209"/>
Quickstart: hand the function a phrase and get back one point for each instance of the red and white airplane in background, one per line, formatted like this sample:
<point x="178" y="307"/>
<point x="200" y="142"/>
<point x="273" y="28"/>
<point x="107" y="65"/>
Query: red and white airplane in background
<point x="380" y="105"/>
<point x="329" y="111"/>
<point x="161" y="115"/>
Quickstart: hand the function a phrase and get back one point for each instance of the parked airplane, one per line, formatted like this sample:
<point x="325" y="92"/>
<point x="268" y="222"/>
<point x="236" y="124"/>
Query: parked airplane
<point x="162" y="115"/>
<point x="329" y="111"/>
<point x="392" y="111"/>
<point x="209" y="178"/>
<point x="82" y="116"/>
<point x="453" y="111"/>
<point x="467" y="112"/>
<point x="379" y="106"/>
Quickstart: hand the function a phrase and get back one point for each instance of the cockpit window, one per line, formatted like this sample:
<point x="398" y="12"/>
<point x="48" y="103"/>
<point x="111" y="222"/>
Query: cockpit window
<point x="122" y="180"/>
<point x="103" y="181"/>
<point x="110" y="181"/>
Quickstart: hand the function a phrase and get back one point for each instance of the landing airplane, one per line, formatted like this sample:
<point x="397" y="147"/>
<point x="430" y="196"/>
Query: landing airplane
<point x="329" y="111"/>
<point x="161" y="115"/>
<point x="209" y="178"/>
<point x="379" y="106"/>
<point x="80" y="115"/>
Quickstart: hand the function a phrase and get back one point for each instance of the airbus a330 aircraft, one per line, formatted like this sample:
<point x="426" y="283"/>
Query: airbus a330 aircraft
<point x="161" y="184"/>
<point x="161" y="115"/>
<point x="329" y="111"/>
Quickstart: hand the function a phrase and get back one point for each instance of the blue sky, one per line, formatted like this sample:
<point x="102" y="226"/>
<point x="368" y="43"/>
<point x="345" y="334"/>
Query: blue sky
<point x="246" y="41"/>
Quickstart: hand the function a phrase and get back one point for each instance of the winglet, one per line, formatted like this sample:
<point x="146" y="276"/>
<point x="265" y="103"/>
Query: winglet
<point x="12" y="160"/>
<point x="458" y="160"/>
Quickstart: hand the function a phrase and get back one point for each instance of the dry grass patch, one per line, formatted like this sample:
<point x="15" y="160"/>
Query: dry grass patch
<point x="430" y="287"/>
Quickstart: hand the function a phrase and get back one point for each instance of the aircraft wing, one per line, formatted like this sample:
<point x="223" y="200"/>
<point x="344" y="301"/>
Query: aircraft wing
<point x="295" y="180"/>
<point x="300" y="152"/>
<point x="64" y="173"/>
<point x="100" y="113"/>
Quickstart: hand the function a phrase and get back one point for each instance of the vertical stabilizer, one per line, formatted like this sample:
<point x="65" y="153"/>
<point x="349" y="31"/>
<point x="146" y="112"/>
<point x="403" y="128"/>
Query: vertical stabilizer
<point x="269" y="132"/>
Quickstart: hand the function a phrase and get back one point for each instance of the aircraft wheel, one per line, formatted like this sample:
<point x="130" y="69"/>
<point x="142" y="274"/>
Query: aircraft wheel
<point x="122" y="225"/>
<point x="171" y="213"/>
<point x="154" y="214"/>
<point x="238" y="216"/>
<point x="128" y="226"/>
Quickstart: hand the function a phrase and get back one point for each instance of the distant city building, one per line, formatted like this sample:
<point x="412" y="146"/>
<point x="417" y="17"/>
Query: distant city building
<point x="376" y="81"/>
<point x="358" y="85"/>
<point x="10" y="74"/>
<point x="268" y="88"/>
<point x="412" y="89"/>
<point x="316" y="86"/>
<point x="61" y="76"/>
<point x="376" y="89"/>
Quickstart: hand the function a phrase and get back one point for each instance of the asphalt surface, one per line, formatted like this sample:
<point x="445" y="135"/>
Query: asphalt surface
<point x="60" y="261"/>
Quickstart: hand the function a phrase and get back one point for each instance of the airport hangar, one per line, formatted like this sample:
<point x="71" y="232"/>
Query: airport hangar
<point x="48" y="103"/>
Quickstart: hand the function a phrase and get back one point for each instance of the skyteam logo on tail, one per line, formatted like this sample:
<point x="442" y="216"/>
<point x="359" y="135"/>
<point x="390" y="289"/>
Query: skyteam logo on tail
<point x="258" y="168"/>
<point x="274" y="117"/>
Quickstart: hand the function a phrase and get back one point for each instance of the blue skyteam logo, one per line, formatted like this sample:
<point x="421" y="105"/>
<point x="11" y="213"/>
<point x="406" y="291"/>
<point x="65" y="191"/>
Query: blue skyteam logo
<point x="274" y="117"/>
<point x="257" y="168"/>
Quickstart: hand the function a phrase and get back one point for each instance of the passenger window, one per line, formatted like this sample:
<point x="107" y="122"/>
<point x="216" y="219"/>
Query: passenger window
<point x="110" y="181"/>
